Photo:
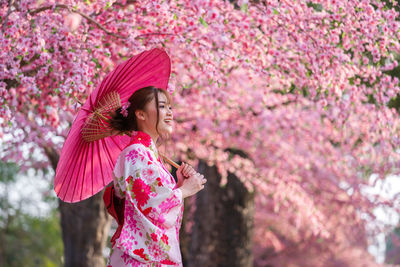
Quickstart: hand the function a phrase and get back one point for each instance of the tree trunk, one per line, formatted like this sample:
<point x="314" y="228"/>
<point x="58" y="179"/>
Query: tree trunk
<point x="223" y="223"/>
<point x="85" y="227"/>
<point x="84" y="224"/>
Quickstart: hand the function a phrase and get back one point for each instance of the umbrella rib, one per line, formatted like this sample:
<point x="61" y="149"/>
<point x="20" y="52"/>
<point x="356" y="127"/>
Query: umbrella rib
<point x="142" y="78"/>
<point x="108" y="152"/>
<point x="105" y="152"/>
<point x="60" y="166"/>
<point x="137" y="70"/>
<point x="98" y="124"/>
<point x="84" y="170"/>
<point x="71" y="169"/>
<point x="104" y="85"/>
<point x="125" y="68"/>
<point x="112" y="138"/>
<point x="72" y="157"/>
<point x="91" y="167"/>
<point x="79" y="170"/>
<point x="101" y="166"/>
<point x="110" y="80"/>
<point x="125" y="71"/>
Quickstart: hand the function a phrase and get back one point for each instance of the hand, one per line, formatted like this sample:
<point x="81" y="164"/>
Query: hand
<point x="184" y="171"/>
<point x="192" y="185"/>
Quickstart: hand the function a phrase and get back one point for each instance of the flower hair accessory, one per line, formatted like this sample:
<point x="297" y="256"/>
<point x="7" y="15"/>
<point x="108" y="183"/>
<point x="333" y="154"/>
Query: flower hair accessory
<point x="124" y="108"/>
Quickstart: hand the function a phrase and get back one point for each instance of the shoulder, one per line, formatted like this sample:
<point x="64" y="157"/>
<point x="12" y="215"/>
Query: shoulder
<point x="135" y="149"/>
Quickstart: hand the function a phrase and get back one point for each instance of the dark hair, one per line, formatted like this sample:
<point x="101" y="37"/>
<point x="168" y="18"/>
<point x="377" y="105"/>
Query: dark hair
<point x="138" y="100"/>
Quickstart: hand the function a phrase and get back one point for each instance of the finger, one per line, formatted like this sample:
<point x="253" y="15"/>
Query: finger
<point x="181" y="167"/>
<point x="186" y="171"/>
<point x="191" y="171"/>
<point x="186" y="167"/>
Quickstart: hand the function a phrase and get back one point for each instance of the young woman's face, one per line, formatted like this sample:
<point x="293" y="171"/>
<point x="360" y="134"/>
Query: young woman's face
<point x="165" y="124"/>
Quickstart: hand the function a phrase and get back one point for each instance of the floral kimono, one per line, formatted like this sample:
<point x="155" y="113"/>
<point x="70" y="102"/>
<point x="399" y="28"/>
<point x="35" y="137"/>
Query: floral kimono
<point x="152" y="205"/>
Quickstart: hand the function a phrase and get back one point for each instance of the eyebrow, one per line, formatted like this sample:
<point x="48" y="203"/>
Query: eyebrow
<point x="161" y="101"/>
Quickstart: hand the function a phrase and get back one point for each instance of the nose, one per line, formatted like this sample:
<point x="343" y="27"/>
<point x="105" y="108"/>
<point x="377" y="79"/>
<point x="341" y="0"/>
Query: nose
<point x="170" y="112"/>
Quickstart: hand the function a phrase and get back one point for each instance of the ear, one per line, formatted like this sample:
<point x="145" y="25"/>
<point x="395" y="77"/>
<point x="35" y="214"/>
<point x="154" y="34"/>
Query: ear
<point x="140" y="114"/>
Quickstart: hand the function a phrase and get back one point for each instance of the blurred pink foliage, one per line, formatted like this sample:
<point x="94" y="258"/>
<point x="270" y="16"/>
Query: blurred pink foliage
<point x="284" y="82"/>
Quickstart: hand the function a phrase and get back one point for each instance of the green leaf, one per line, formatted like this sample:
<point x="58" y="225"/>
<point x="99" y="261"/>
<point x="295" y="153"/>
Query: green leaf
<point x="97" y="63"/>
<point x="33" y="24"/>
<point x="17" y="77"/>
<point x="276" y="12"/>
<point x="317" y="7"/>
<point x="244" y="8"/>
<point x="202" y="21"/>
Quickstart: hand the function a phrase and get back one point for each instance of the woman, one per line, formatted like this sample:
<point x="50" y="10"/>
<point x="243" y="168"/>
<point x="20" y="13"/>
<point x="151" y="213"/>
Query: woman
<point x="148" y="233"/>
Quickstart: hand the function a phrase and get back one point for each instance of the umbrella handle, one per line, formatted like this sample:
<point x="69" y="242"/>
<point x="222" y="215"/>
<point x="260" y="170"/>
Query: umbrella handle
<point x="173" y="163"/>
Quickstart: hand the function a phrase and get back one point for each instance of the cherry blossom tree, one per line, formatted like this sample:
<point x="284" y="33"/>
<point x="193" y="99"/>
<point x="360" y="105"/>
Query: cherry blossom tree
<point x="301" y="91"/>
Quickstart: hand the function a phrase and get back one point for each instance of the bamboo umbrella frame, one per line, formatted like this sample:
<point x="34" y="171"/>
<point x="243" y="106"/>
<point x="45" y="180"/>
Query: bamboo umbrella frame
<point x="97" y="124"/>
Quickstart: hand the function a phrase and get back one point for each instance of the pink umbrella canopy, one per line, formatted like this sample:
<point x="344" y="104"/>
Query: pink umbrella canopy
<point x="86" y="164"/>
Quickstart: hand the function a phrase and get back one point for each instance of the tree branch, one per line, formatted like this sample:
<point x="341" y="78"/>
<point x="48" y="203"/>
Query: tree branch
<point x="40" y="9"/>
<point x="153" y="33"/>
<point x="10" y="2"/>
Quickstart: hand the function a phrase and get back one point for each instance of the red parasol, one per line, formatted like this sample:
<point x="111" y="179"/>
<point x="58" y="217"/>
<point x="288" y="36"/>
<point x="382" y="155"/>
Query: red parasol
<point x="89" y="152"/>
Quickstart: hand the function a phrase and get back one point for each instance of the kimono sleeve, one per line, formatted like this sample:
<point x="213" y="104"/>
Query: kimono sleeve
<point x="145" y="189"/>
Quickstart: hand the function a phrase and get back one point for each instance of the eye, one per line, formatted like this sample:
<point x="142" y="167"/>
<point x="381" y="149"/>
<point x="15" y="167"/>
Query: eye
<point x="163" y="106"/>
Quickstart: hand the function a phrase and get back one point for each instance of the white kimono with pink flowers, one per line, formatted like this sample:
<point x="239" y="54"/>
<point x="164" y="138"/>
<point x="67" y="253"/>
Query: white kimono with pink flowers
<point x="153" y="208"/>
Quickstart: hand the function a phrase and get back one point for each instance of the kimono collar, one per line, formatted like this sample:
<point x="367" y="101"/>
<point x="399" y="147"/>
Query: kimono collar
<point x="139" y="137"/>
